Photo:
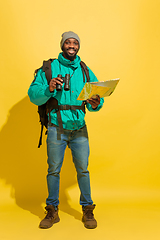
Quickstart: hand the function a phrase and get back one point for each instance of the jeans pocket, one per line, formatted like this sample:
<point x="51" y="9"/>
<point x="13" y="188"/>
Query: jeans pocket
<point x="83" y="132"/>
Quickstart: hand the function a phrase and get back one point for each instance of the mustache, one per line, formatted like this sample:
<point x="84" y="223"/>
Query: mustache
<point x="71" y="48"/>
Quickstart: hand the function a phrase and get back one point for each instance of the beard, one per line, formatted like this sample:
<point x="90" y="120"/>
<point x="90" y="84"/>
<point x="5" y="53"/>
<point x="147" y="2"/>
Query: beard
<point x="69" y="56"/>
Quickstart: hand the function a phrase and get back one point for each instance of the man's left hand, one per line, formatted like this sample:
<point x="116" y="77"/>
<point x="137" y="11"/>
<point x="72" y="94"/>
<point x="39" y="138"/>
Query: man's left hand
<point x="94" y="101"/>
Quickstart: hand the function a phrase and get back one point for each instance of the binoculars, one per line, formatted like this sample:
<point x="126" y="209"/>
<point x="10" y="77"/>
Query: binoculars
<point x="66" y="80"/>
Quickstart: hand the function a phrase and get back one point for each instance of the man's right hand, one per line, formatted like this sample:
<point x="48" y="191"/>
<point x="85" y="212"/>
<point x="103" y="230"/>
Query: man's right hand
<point x="53" y="82"/>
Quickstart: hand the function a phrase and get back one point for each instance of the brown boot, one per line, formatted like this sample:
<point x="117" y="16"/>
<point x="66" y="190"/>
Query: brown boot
<point x="88" y="217"/>
<point x="51" y="217"/>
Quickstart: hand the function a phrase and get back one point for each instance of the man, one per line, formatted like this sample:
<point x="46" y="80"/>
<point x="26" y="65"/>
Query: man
<point x="74" y="128"/>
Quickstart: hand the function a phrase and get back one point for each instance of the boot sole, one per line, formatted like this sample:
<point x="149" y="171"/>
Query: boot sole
<point x="88" y="226"/>
<point x="46" y="227"/>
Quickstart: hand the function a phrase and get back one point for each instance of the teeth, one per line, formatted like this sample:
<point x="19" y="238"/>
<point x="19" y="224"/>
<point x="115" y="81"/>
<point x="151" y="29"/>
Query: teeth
<point x="71" y="51"/>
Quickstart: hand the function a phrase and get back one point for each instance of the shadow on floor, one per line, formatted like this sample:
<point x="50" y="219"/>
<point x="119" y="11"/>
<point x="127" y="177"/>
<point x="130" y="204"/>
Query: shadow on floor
<point x="24" y="166"/>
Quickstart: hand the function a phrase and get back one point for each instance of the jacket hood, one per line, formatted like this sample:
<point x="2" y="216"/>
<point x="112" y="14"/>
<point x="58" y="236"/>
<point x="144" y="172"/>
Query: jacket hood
<point x="66" y="62"/>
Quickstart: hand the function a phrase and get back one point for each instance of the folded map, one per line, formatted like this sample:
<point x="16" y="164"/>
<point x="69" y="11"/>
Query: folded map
<point x="103" y="89"/>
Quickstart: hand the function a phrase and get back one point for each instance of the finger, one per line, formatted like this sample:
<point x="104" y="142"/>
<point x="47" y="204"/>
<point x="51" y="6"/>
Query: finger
<point x="94" y="104"/>
<point x="59" y="79"/>
<point x="58" y="82"/>
<point x="98" y="97"/>
<point x="54" y="81"/>
<point x="97" y="100"/>
<point x="94" y="100"/>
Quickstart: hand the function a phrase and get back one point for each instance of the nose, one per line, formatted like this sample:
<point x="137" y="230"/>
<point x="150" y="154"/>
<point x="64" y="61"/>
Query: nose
<point x="71" y="45"/>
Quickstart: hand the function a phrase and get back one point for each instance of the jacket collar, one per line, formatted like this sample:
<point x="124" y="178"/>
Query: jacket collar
<point x="66" y="62"/>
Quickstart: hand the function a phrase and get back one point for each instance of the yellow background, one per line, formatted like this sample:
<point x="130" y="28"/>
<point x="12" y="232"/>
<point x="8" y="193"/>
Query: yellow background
<point x="119" y="38"/>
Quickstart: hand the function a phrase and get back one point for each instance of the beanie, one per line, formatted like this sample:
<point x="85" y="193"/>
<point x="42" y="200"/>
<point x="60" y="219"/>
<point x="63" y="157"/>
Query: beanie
<point x="67" y="35"/>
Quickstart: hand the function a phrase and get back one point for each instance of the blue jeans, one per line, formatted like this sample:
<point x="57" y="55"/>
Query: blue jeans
<point x="77" y="141"/>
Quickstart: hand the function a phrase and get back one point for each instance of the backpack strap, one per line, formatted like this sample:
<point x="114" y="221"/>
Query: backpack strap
<point x="53" y="104"/>
<point x="47" y="69"/>
<point x="85" y="70"/>
<point x="68" y="107"/>
<point x="40" y="139"/>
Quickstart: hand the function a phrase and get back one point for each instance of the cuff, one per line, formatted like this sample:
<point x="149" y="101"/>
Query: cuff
<point x="48" y="93"/>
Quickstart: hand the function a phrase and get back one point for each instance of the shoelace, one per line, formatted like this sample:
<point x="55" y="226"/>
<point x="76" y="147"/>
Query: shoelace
<point x="89" y="214"/>
<point x="49" y="214"/>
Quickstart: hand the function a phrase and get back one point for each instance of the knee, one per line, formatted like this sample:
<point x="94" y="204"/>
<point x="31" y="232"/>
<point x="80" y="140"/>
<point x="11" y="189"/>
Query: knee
<point x="53" y="170"/>
<point x="82" y="170"/>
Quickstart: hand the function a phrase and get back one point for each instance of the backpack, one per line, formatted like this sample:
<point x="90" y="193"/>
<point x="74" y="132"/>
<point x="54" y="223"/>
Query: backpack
<point x="52" y="103"/>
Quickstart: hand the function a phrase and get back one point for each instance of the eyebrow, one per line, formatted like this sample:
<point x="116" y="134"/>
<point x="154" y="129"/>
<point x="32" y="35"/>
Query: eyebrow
<point x="75" y="40"/>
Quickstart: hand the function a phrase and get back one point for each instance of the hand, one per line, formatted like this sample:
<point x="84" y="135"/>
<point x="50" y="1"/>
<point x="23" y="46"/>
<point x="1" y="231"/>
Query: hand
<point x="53" y="82"/>
<point x="94" y="101"/>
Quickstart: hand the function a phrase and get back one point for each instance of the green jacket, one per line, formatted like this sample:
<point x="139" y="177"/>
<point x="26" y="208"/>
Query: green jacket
<point x="39" y="91"/>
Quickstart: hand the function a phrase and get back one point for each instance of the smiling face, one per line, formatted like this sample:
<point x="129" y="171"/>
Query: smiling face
<point x="70" y="48"/>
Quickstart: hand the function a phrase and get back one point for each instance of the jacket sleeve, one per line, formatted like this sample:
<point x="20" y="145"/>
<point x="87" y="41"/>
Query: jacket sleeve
<point x="89" y="107"/>
<point x="38" y="91"/>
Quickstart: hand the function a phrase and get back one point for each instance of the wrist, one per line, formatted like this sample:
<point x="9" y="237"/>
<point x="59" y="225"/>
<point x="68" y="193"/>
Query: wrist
<point x="51" y="89"/>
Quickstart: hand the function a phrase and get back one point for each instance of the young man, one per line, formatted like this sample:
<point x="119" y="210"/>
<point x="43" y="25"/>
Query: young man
<point x="74" y="128"/>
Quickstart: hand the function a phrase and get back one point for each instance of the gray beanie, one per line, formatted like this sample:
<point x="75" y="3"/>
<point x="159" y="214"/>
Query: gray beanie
<point x="67" y="35"/>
